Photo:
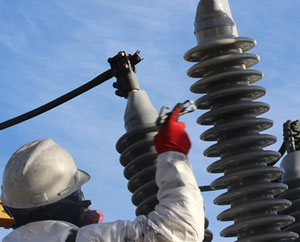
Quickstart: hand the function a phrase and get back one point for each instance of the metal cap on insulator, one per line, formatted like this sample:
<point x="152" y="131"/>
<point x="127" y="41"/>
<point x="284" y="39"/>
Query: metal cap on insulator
<point x="291" y="166"/>
<point x="214" y="21"/>
<point x="139" y="111"/>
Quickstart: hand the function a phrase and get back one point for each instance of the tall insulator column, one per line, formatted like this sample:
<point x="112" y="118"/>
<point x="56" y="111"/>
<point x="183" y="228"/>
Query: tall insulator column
<point x="138" y="154"/>
<point x="228" y="94"/>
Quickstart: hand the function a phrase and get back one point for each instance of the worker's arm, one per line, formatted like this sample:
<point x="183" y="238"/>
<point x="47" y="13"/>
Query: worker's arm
<point x="179" y="196"/>
<point x="179" y="216"/>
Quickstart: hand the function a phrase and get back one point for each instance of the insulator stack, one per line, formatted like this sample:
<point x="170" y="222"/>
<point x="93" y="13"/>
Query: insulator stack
<point x="291" y="177"/>
<point x="208" y="235"/>
<point x="228" y="94"/>
<point x="138" y="153"/>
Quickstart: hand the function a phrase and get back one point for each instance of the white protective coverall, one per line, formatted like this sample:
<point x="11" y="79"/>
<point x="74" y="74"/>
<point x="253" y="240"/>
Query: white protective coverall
<point x="178" y="217"/>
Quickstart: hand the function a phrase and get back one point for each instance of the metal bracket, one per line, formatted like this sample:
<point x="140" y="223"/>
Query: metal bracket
<point x="123" y="67"/>
<point x="291" y="134"/>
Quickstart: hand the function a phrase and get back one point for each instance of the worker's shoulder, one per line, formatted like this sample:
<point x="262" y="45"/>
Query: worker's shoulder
<point x="48" y="230"/>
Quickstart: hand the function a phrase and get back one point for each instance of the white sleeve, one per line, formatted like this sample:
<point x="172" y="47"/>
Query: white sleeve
<point x="178" y="217"/>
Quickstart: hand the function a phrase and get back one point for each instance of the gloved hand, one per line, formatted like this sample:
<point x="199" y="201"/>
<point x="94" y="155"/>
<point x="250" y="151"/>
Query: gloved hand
<point x="173" y="137"/>
<point x="92" y="217"/>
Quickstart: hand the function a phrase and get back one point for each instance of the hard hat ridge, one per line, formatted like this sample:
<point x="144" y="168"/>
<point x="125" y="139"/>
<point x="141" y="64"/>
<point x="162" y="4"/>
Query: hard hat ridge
<point x="24" y="156"/>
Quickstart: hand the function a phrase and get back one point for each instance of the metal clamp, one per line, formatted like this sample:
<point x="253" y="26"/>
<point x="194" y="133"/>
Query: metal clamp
<point x="188" y="107"/>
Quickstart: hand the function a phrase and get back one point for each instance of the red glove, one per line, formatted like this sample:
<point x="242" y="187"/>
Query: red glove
<point x="173" y="137"/>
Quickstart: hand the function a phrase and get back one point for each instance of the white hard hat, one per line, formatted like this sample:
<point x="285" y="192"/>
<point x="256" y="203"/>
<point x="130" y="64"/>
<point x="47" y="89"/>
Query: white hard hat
<point x="38" y="174"/>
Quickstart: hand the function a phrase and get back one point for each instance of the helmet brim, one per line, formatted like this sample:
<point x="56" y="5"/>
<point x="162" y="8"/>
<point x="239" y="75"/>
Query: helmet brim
<point x="82" y="177"/>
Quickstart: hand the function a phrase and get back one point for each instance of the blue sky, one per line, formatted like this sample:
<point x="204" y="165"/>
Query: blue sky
<point x="51" y="47"/>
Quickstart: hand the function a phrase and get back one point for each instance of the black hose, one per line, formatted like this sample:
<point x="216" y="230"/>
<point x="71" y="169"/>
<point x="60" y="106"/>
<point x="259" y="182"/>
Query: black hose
<point x="58" y="101"/>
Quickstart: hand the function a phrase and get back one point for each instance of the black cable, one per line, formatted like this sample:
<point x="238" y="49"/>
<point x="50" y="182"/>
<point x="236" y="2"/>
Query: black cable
<point x="58" y="101"/>
<point x="119" y="68"/>
<point x="206" y="188"/>
<point x="282" y="149"/>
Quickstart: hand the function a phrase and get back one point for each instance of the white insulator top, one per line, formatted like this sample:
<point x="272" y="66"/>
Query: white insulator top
<point x="214" y="21"/>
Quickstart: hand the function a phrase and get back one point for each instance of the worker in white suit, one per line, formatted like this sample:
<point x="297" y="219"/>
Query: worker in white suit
<point x="41" y="189"/>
